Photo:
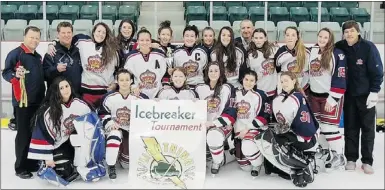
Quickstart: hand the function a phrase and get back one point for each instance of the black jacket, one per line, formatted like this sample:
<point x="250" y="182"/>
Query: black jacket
<point x="365" y="69"/>
<point x="74" y="67"/>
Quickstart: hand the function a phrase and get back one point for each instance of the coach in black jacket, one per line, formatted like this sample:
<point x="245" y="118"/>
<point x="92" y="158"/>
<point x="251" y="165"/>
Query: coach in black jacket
<point x="364" y="79"/>
<point x="66" y="62"/>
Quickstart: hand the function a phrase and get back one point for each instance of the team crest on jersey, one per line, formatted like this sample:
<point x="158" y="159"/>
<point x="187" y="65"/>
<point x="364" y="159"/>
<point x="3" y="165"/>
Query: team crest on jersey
<point x="69" y="125"/>
<point x="341" y="72"/>
<point x="280" y="118"/>
<point x="213" y="104"/>
<point x="293" y="67"/>
<point x="243" y="109"/>
<point x="341" y="56"/>
<point x="268" y="67"/>
<point x="191" y="68"/>
<point x="123" y="116"/>
<point x="148" y="80"/>
<point x="315" y="68"/>
<point x="231" y="74"/>
<point x="95" y="64"/>
<point x="165" y="163"/>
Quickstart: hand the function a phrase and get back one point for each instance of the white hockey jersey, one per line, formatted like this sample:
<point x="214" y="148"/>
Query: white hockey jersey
<point x="116" y="109"/>
<point x="265" y="69"/>
<point x="253" y="110"/>
<point x="171" y="93"/>
<point x="148" y="71"/>
<point x="44" y="136"/>
<point x="286" y="60"/>
<point x="193" y="61"/>
<point x="220" y="109"/>
<point x="232" y="77"/>
<point x="96" y="75"/>
<point x="330" y="81"/>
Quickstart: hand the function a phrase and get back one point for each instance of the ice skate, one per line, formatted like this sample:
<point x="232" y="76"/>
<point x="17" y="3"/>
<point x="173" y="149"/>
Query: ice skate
<point x="112" y="173"/>
<point x="215" y="169"/>
<point x="255" y="171"/>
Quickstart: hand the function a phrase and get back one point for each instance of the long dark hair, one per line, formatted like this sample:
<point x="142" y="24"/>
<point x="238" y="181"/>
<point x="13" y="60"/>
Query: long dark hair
<point x="120" y="37"/>
<point x="230" y="51"/>
<point x="53" y="101"/>
<point x="327" y="53"/>
<point x="267" y="47"/>
<point x="109" y="44"/>
<point x="221" y="80"/>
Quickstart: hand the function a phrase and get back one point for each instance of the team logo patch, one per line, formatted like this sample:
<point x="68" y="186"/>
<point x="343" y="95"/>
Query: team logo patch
<point x="294" y="68"/>
<point x="359" y="62"/>
<point x="243" y="109"/>
<point x="268" y="108"/>
<point x="341" y="72"/>
<point x="231" y="74"/>
<point x="268" y="67"/>
<point x="191" y="68"/>
<point x="213" y="104"/>
<point x="69" y="125"/>
<point x="315" y="68"/>
<point x="280" y="118"/>
<point x="147" y="80"/>
<point x="94" y="64"/>
<point x="341" y="56"/>
<point x="165" y="163"/>
<point x="123" y="117"/>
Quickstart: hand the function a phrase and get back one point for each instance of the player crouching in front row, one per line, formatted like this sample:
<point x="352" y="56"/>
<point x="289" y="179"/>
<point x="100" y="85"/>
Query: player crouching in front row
<point x="50" y="142"/>
<point x="115" y="115"/>
<point x="292" y="144"/>
<point x="253" y="114"/>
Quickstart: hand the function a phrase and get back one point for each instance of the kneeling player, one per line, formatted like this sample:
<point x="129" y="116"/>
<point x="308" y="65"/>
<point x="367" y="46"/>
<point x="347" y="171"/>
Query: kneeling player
<point x="115" y="114"/>
<point x="292" y="145"/>
<point x="253" y="114"/>
<point x="220" y="114"/>
<point x="54" y="125"/>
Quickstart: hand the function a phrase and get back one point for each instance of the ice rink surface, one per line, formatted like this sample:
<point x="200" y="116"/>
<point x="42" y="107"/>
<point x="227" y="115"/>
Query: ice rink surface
<point x="230" y="176"/>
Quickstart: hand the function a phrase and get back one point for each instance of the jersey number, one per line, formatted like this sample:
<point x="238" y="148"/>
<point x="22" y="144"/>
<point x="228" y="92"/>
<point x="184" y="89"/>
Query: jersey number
<point x="197" y="57"/>
<point x="305" y="117"/>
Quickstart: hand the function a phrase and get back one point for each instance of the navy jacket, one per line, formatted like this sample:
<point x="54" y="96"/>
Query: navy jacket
<point x="34" y="80"/>
<point x="365" y="70"/>
<point x="74" y="67"/>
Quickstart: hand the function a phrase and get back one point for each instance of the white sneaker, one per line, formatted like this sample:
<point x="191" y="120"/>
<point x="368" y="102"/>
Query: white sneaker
<point x="368" y="169"/>
<point x="350" y="166"/>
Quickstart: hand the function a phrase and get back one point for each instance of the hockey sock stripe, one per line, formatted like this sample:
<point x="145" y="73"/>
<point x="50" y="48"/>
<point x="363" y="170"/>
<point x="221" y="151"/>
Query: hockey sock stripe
<point x="217" y="152"/>
<point x="334" y="138"/>
<point x="112" y="145"/>
<point x="113" y="137"/>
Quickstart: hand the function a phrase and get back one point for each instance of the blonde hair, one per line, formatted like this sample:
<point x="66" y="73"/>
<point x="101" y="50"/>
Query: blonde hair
<point x="300" y="50"/>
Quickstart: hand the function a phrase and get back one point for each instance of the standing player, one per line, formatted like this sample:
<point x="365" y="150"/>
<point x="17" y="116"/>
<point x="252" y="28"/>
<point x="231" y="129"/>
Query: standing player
<point x="148" y="65"/>
<point x="253" y="115"/>
<point x="99" y="58"/>
<point x="50" y="140"/>
<point x="178" y="89"/>
<point x="208" y="39"/>
<point x="261" y="60"/>
<point x="115" y="114"/>
<point x="221" y="114"/>
<point x="327" y="87"/>
<point x="225" y="52"/>
<point x="293" y="57"/>
<point x="125" y="39"/>
<point x="191" y="56"/>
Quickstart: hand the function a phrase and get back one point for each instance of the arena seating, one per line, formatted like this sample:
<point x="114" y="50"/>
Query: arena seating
<point x="16" y="15"/>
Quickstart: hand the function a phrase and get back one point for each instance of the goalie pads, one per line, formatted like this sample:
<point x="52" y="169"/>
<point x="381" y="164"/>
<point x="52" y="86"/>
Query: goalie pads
<point x="49" y="174"/>
<point x="89" y="144"/>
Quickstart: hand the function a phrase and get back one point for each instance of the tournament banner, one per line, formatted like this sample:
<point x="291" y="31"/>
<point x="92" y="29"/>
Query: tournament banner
<point x="167" y="144"/>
